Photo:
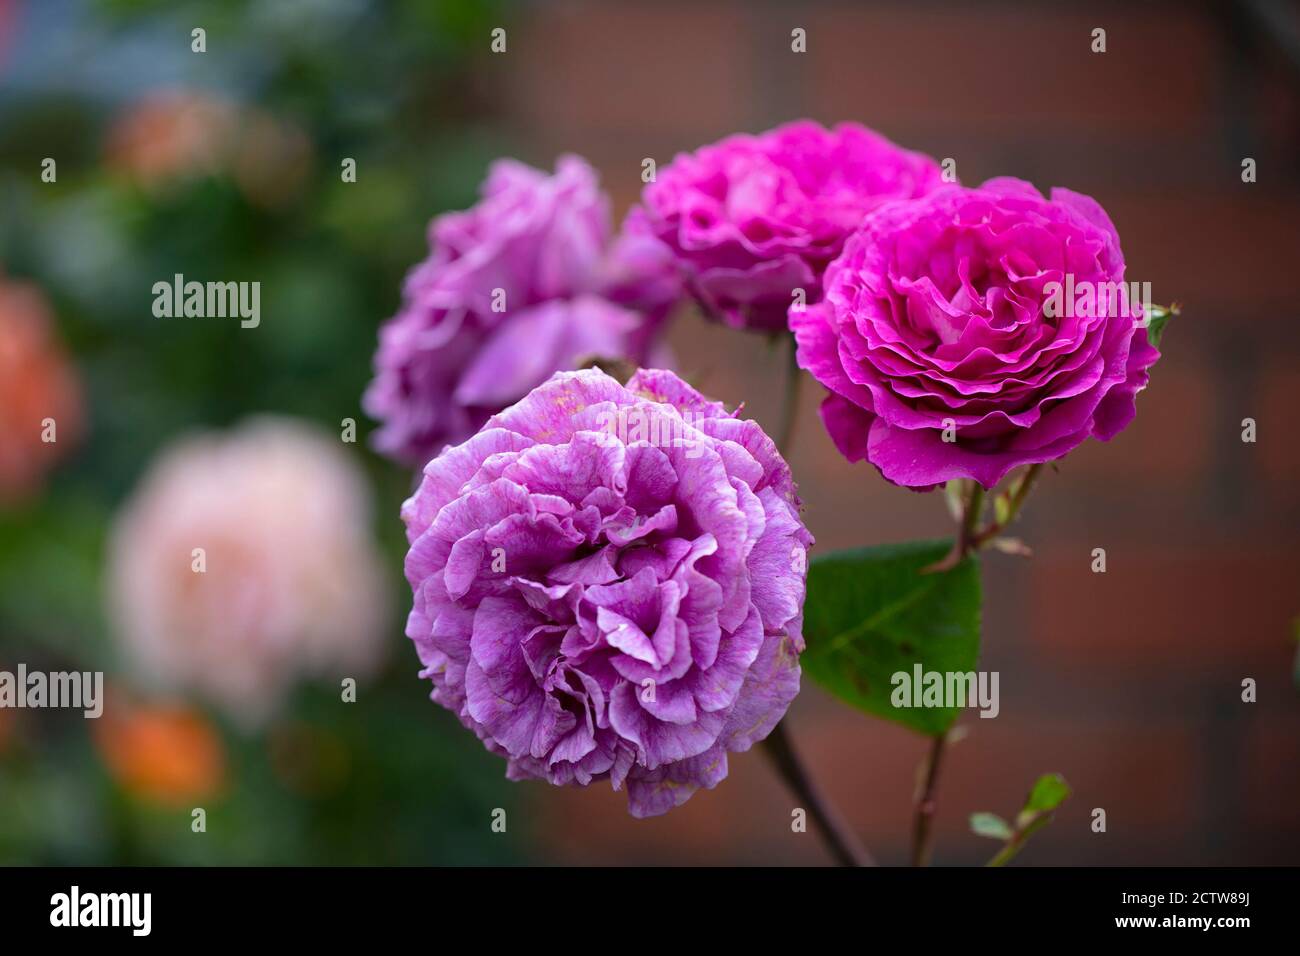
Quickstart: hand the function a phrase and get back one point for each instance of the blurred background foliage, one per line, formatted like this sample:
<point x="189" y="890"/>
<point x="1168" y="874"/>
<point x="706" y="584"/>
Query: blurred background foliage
<point x="251" y="190"/>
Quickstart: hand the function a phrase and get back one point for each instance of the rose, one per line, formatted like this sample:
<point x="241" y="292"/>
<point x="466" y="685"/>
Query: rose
<point x="598" y="605"/>
<point x="244" y="563"/>
<point x="523" y="284"/>
<point x="942" y="345"/>
<point x="753" y="219"/>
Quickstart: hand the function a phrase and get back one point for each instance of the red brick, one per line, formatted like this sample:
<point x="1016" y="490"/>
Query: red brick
<point x="1168" y="444"/>
<point x="745" y="819"/>
<point x="1218" y="604"/>
<point x="627" y="71"/>
<point x="1271" y="784"/>
<point x="961" y="69"/>
<point x="1214" y="250"/>
<point x="1276" y="410"/>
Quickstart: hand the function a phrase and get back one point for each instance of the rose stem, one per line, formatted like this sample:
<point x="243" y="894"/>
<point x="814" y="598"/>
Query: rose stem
<point x="968" y="540"/>
<point x="967" y="536"/>
<point x="790" y="407"/>
<point x="927" y="804"/>
<point x="996" y="527"/>
<point x="970" y="520"/>
<point x="840" y="840"/>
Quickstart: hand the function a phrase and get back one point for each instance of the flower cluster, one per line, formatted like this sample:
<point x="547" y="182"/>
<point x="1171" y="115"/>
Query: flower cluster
<point x="608" y="580"/>
<point x="931" y="312"/>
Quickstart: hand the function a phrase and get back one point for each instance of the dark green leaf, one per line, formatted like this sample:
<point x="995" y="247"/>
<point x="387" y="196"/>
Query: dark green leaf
<point x="871" y="613"/>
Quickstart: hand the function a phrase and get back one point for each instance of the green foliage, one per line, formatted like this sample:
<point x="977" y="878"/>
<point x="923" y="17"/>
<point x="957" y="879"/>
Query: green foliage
<point x="1049" y="792"/>
<point x="390" y="778"/>
<point x="1160" y="316"/>
<point x="876" y="612"/>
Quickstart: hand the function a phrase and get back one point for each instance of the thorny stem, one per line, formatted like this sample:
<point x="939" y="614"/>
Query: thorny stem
<point x="927" y="804"/>
<point x="972" y="506"/>
<point x="970" y="536"/>
<point x="840" y="840"/>
<point x="1017" y="500"/>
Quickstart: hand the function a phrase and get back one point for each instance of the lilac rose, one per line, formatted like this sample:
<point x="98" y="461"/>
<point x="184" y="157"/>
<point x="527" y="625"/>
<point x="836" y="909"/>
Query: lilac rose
<point x="752" y="219"/>
<point x="525" y="283"/>
<point x="608" y="584"/>
<point x="957" y="341"/>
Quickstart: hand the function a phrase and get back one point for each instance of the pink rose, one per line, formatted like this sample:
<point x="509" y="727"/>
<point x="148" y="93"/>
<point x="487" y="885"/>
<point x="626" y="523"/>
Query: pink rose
<point x="752" y="219"/>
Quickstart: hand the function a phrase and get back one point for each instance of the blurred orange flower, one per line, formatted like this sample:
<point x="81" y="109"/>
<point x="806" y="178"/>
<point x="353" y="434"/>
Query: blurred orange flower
<point x="40" y="399"/>
<point x="165" y="753"/>
<point x="178" y="134"/>
<point x="171" y="134"/>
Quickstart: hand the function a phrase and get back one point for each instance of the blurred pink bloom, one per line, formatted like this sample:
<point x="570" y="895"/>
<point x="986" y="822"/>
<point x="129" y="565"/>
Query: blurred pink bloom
<point x="290" y="585"/>
<point x="753" y="219"/>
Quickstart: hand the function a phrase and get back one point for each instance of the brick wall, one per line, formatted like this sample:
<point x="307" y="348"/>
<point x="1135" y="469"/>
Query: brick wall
<point x="1128" y="682"/>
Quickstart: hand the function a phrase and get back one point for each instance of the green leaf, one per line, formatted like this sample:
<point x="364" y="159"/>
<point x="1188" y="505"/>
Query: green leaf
<point x="1049" y="793"/>
<point x="1160" y="315"/>
<point x="990" y="825"/>
<point x="871" y="613"/>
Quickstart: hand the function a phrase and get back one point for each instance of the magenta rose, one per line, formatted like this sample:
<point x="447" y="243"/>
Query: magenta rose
<point x="525" y="283"/>
<point x="608" y="584"/>
<point x="751" y="219"/>
<point x="948" y="343"/>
